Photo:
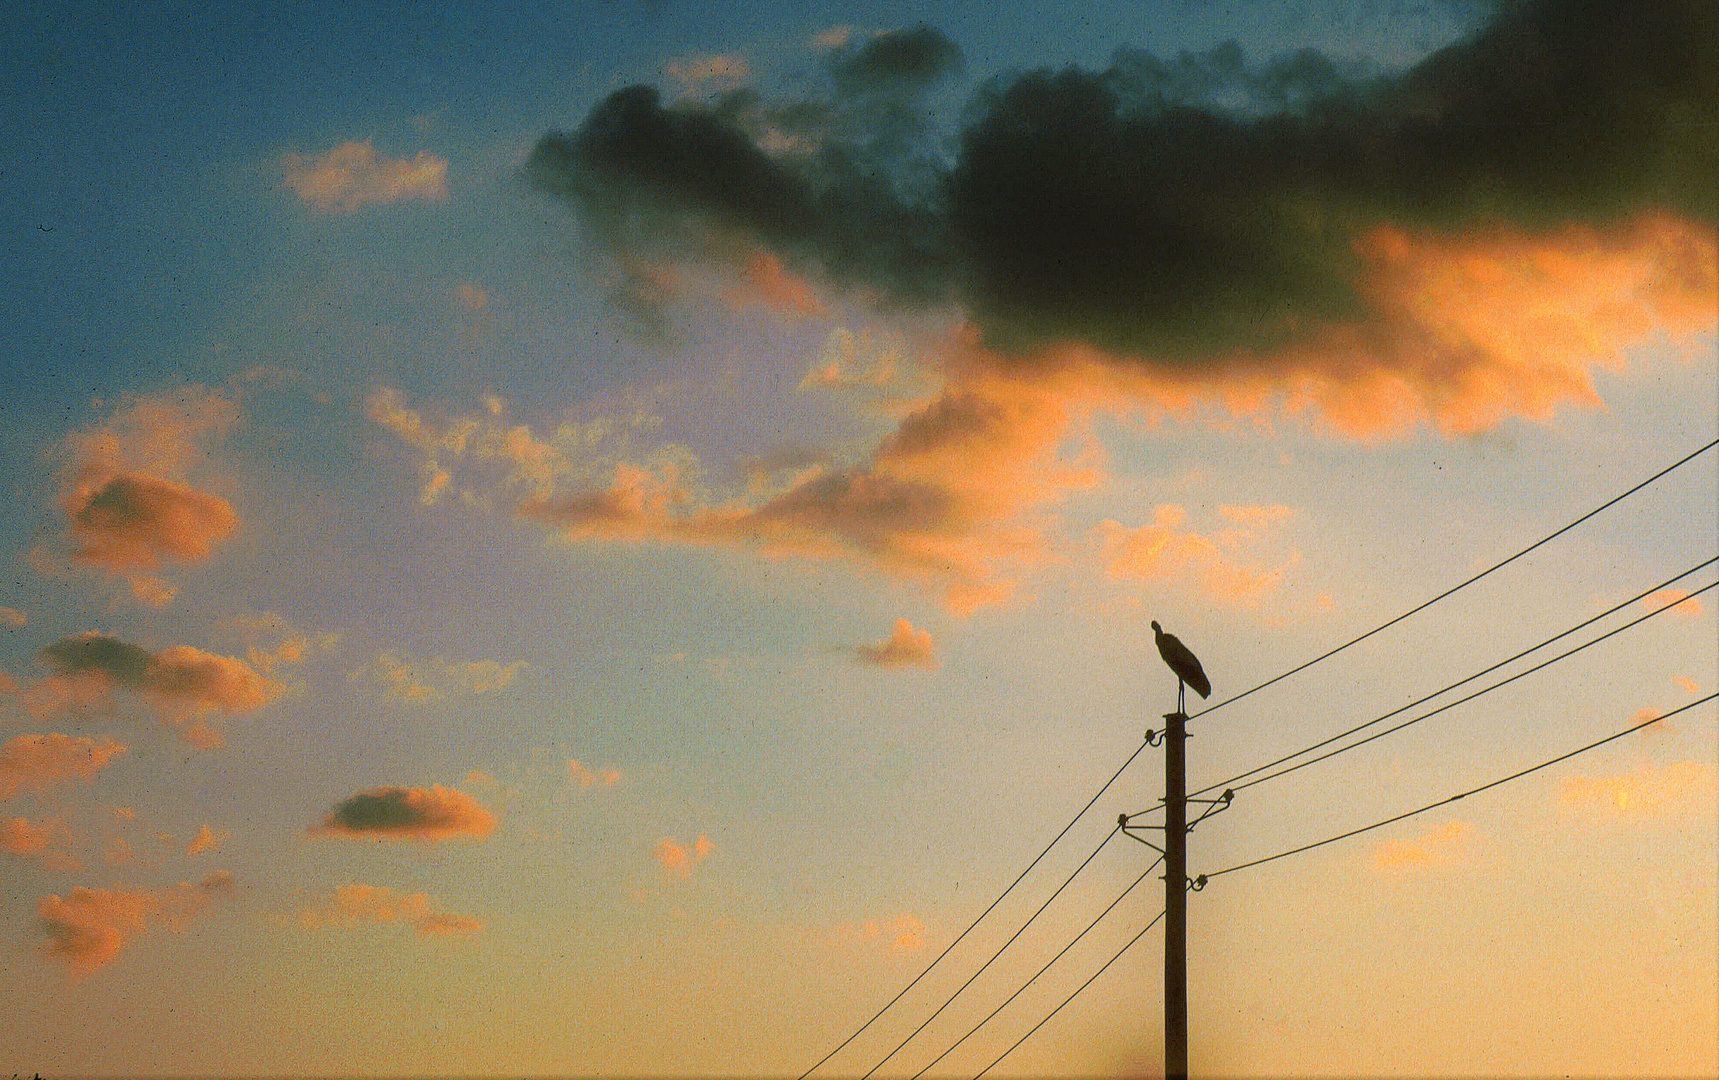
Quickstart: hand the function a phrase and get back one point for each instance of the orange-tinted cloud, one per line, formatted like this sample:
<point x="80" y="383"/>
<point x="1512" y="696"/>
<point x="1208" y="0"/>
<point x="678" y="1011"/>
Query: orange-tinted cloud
<point x="127" y="503"/>
<point x="353" y="175"/>
<point x="905" y="647"/>
<point x="412" y="680"/>
<point x="207" y="839"/>
<point x="39" y="762"/>
<point x="587" y="778"/>
<point x="1219" y="564"/>
<point x="1643" y="791"/>
<point x="45" y="841"/>
<point x="90" y="927"/>
<point x="184" y="684"/>
<point x="352" y="905"/>
<point x="1687" y="684"/>
<point x="12" y="617"/>
<point x="395" y="813"/>
<point x="1682" y="604"/>
<point x="947" y="498"/>
<point x="678" y="860"/>
<point x="131" y="522"/>
<point x="765" y="283"/>
<point x="1435" y="848"/>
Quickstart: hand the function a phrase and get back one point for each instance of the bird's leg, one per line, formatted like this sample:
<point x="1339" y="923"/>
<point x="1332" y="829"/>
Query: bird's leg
<point x="1181" y="696"/>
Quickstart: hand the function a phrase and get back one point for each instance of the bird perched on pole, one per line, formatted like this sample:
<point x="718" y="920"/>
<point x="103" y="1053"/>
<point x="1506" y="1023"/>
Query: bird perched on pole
<point x="1184" y="663"/>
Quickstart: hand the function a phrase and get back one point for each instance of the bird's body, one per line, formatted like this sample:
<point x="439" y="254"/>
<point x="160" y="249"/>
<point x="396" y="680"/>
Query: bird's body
<point x="1183" y="662"/>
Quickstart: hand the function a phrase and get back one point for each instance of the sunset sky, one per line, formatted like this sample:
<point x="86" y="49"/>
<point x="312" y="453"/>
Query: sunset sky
<point x="595" y="539"/>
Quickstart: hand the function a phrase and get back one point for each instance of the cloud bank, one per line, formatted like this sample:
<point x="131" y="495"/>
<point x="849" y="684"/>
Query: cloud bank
<point x="1377" y="248"/>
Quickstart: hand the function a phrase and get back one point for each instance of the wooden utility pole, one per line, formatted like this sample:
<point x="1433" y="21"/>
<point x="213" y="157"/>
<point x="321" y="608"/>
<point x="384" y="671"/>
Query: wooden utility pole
<point x="1175" y="899"/>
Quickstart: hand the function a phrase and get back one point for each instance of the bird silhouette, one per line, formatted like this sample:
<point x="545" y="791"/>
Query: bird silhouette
<point x="1184" y="663"/>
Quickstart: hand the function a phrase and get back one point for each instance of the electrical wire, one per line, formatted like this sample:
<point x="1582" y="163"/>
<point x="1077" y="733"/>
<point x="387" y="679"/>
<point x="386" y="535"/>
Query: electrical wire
<point x="1461" y="700"/>
<point x="1463" y="795"/>
<point x="1231" y="785"/>
<point x="982" y="914"/>
<point x="1072" y="996"/>
<point x="1227" y="701"/>
<point x="1429" y="603"/>
<point x="1023" y="929"/>
<point x="1041" y="971"/>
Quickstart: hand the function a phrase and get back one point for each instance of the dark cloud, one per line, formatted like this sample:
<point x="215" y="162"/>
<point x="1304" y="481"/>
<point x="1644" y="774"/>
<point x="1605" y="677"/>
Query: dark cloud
<point x="1179" y="208"/>
<point x="397" y="813"/>
<point x="908" y="60"/>
<point x="97" y="654"/>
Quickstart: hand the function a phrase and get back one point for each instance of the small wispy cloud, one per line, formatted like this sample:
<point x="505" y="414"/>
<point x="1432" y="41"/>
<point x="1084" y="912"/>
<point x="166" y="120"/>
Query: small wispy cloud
<point x="353" y="175"/>
<point x="905" y="647"/>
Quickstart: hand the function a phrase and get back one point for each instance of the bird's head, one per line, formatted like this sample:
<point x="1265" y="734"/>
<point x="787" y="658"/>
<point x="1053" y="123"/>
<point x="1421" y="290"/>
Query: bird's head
<point x="1156" y="629"/>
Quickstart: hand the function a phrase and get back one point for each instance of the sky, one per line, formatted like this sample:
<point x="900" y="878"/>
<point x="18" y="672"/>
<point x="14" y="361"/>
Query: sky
<point x="596" y="539"/>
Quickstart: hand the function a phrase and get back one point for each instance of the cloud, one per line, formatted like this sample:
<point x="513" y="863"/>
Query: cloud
<point x="587" y="779"/>
<point x="677" y="860"/>
<point x="1644" y="791"/>
<point x="132" y="522"/>
<point x="207" y="839"/>
<point x="39" y="762"/>
<point x="395" y="813"/>
<point x="45" y="841"/>
<point x="1687" y="684"/>
<point x="428" y="680"/>
<point x="1435" y="848"/>
<point x="90" y="927"/>
<point x="696" y="73"/>
<point x="185" y="684"/>
<point x="1680" y="601"/>
<point x="1163" y="551"/>
<point x="1456" y="243"/>
<point x="12" y="617"/>
<point x="905" y="647"/>
<point x="352" y="176"/>
<point x="471" y="296"/>
<point x="352" y="905"/>
<point x="896" y="61"/>
<point x="946" y="499"/>
<point x="128" y="506"/>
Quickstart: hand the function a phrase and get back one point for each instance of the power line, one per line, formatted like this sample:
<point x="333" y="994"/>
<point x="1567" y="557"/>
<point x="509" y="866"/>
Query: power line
<point x="1072" y="996"/>
<point x="1463" y="795"/>
<point x="1495" y="566"/>
<point x="1041" y="971"/>
<point x="982" y="914"/>
<point x="1461" y="700"/>
<point x="1023" y="929"/>
<point x="1230" y="784"/>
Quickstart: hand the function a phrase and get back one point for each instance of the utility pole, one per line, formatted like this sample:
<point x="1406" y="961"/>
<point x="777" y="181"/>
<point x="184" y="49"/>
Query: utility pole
<point x="1175" y="898"/>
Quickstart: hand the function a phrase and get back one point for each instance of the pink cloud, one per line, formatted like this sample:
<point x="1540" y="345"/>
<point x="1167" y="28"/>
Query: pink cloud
<point x="905" y="647"/>
<point x="353" y="175"/>
<point x="677" y="860"/>
<point x="39" y="762"/>
<point x="395" y="813"/>
<point x="91" y="927"/>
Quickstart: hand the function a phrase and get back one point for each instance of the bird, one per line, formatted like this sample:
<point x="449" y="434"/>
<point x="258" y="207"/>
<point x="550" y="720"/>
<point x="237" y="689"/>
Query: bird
<point x="1184" y="663"/>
